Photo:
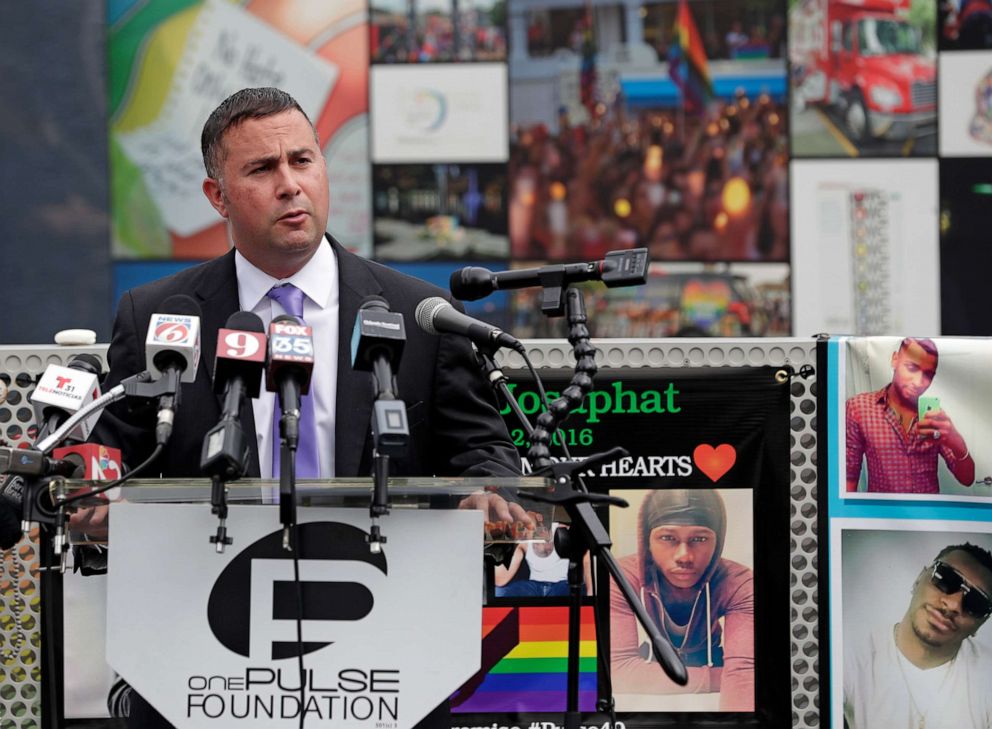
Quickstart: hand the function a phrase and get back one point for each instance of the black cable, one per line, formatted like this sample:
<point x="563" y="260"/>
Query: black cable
<point x="299" y="617"/>
<point x="289" y="452"/>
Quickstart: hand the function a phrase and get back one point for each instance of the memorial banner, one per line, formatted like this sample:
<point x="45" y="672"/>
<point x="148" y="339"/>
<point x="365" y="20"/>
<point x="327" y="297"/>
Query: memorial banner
<point x="707" y="442"/>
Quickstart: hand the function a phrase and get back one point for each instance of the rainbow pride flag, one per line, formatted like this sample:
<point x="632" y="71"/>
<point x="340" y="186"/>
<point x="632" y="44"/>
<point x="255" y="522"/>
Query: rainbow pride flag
<point x="687" y="63"/>
<point x="525" y="662"/>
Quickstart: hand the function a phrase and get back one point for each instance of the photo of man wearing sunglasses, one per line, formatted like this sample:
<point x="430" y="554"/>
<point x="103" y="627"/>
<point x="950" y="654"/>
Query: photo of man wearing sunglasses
<point x="928" y="670"/>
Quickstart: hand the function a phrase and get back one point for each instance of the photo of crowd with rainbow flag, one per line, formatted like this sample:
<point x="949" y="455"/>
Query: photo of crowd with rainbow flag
<point x="626" y="162"/>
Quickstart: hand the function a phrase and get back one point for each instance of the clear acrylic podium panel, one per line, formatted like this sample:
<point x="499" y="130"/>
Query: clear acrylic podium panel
<point x="413" y="493"/>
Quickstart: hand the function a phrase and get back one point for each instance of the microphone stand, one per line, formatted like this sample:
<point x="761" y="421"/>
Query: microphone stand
<point x="390" y="437"/>
<point x="287" y="487"/>
<point x="587" y="533"/>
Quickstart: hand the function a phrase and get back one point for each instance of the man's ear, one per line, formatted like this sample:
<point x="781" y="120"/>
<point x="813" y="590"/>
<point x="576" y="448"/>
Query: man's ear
<point x="214" y="193"/>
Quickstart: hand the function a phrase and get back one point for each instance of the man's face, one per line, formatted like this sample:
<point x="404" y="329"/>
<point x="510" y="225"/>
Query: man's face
<point x="682" y="553"/>
<point x="913" y="371"/>
<point x="937" y="619"/>
<point x="273" y="191"/>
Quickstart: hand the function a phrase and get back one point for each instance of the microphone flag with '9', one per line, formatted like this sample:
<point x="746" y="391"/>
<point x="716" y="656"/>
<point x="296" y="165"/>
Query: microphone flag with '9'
<point x="240" y="353"/>
<point x="238" y="370"/>
<point x="62" y="391"/>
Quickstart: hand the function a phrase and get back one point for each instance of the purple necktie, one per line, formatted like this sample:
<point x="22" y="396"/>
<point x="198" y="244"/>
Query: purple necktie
<point x="307" y="463"/>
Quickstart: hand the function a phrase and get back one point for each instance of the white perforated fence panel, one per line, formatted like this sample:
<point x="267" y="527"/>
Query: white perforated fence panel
<point x="20" y="644"/>
<point x="20" y="609"/>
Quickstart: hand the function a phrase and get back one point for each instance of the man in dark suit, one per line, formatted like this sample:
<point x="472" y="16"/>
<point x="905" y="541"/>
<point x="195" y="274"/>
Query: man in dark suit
<point x="267" y="177"/>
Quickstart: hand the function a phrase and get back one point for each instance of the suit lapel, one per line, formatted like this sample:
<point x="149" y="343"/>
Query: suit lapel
<point x="218" y="294"/>
<point x="353" y="407"/>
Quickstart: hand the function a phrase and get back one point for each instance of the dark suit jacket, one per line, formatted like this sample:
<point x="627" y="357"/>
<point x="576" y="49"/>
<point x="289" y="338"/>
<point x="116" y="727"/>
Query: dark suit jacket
<point x="455" y="428"/>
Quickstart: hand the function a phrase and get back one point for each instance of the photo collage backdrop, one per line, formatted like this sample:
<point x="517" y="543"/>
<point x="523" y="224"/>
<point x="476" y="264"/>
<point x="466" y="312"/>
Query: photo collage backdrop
<point x="506" y="133"/>
<point x="495" y="133"/>
<point x="906" y="511"/>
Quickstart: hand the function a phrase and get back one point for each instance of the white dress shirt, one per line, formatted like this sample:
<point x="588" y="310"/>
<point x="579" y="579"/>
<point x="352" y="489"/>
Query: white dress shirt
<point x="318" y="280"/>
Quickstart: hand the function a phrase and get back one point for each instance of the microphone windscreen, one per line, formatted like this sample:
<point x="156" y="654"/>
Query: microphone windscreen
<point x="245" y="321"/>
<point x="173" y="339"/>
<point x="471" y="283"/>
<point x="427" y="310"/>
<point x="180" y="304"/>
<point x="374" y="302"/>
<point x="87" y="363"/>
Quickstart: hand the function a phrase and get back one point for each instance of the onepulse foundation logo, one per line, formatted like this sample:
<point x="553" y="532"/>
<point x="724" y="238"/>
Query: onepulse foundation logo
<point x="229" y="607"/>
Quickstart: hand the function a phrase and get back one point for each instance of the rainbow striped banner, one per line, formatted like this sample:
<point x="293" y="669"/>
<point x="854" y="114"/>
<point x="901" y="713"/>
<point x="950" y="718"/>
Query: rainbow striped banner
<point x="687" y="63"/>
<point x="525" y="662"/>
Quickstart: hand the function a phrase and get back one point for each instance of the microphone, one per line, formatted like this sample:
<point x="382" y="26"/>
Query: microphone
<point x="437" y="316"/>
<point x="19" y="502"/>
<point x="289" y="368"/>
<point x="62" y="391"/>
<point x="172" y="353"/>
<point x="238" y="369"/>
<point x="377" y="342"/>
<point x="10" y="512"/>
<point x="32" y="462"/>
<point x="619" y="268"/>
<point x="377" y="346"/>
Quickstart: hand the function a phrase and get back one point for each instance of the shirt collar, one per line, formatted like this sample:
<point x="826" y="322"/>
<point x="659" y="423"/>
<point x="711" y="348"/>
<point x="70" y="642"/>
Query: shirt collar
<point x="316" y="279"/>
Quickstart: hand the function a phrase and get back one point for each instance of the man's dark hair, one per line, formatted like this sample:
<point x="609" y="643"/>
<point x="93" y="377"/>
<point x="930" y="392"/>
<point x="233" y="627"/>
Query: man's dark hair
<point x="927" y="345"/>
<point x="245" y="104"/>
<point x="980" y="554"/>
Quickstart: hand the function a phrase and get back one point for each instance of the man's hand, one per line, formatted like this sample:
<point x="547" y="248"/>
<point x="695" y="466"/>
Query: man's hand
<point x="937" y="424"/>
<point x="495" y="508"/>
<point x="91" y="521"/>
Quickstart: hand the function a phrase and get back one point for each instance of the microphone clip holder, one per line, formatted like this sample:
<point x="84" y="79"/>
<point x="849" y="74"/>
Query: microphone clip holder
<point x="390" y="437"/>
<point x="51" y="518"/>
<point x="553" y="285"/>
<point x="140" y="385"/>
<point x="218" y="506"/>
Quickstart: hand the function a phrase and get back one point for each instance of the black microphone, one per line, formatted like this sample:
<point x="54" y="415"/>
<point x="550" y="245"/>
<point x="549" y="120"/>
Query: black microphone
<point x="10" y="516"/>
<point x="377" y="342"/>
<point x="172" y="352"/>
<point x="437" y="316"/>
<point x="238" y="369"/>
<point x="288" y="370"/>
<point x="619" y="268"/>
<point x="32" y="462"/>
<point x="17" y="510"/>
<point x="377" y="346"/>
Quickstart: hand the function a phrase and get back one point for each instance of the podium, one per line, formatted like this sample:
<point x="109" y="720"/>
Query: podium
<point x="210" y="639"/>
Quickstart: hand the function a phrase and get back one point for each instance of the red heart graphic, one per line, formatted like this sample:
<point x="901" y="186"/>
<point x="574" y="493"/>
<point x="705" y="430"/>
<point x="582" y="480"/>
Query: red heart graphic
<point x="714" y="462"/>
